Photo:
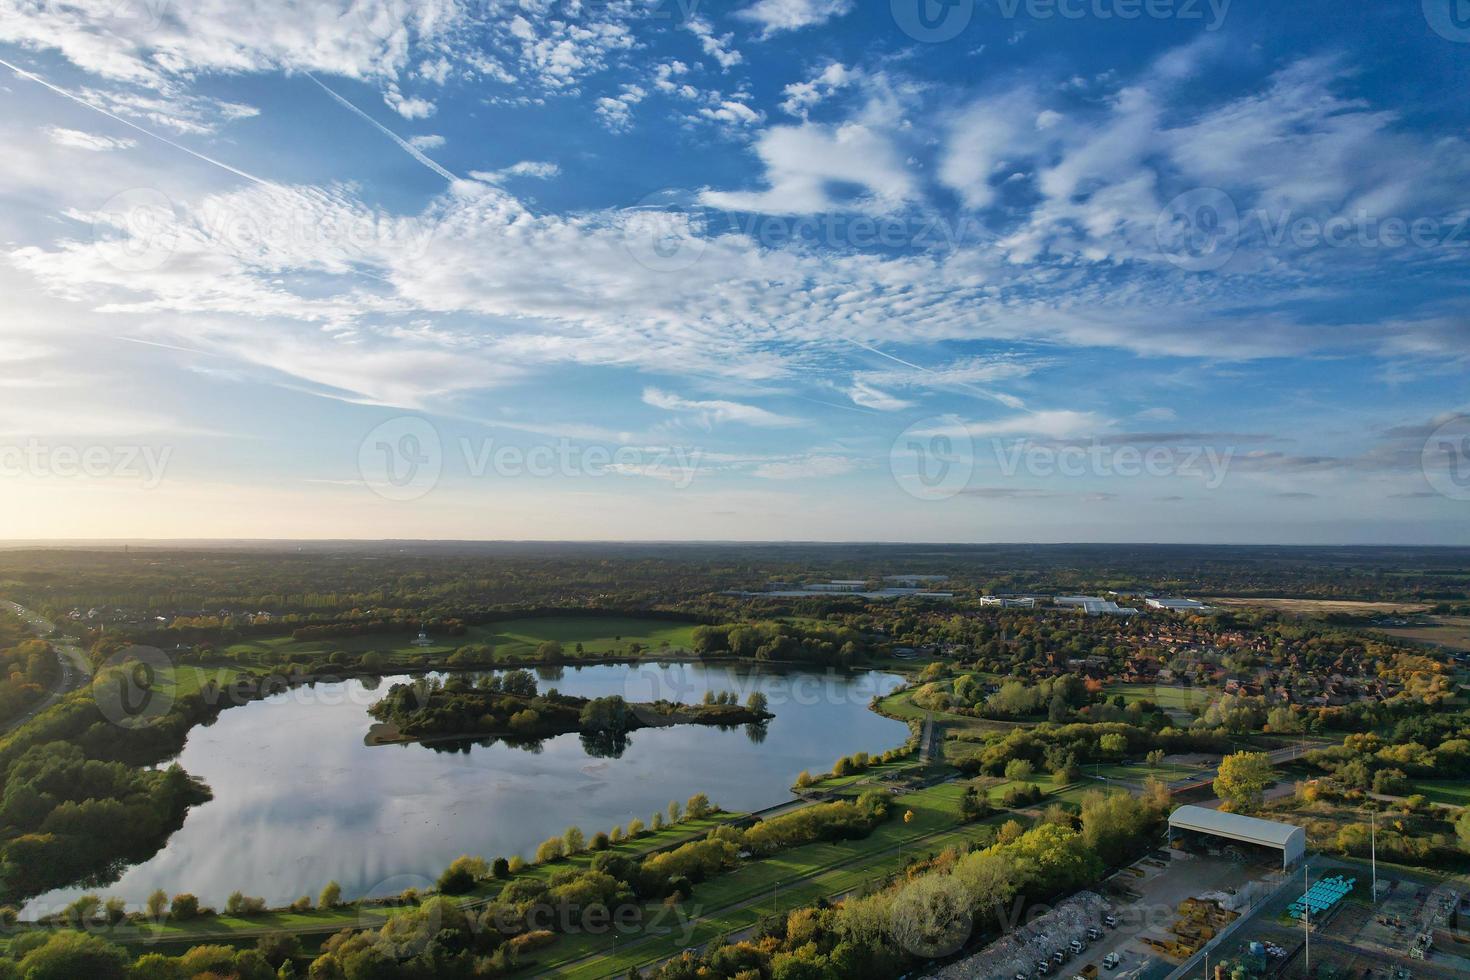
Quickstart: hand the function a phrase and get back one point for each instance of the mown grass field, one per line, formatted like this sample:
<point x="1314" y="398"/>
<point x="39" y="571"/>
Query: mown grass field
<point x="515" y="639"/>
<point x="1453" y="791"/>
<point x="1164" y="695"/>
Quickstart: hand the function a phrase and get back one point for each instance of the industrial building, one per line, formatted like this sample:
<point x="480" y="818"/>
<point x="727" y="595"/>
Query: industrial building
<point x="1197" y="824"/>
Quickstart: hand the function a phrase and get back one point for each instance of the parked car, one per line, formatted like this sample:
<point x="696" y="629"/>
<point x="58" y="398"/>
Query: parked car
<point x="1112" y="960"/>
<point x="1111" y="921"/>
<point x="1078" y="946"/>
<point x="1094" y="933"/>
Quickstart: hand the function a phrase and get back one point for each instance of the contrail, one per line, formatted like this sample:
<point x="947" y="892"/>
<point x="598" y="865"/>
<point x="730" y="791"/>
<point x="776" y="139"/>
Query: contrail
<point x="919" y="367"/>
<point x="406" y="146"/>
<point x="31" y="76"/>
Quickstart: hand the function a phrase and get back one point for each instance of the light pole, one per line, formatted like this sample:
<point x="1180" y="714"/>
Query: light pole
<point x="1374" y="852"/>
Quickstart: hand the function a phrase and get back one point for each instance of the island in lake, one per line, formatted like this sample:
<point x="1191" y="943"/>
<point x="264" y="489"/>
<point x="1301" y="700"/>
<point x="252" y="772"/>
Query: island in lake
<point x="509" y="706"/>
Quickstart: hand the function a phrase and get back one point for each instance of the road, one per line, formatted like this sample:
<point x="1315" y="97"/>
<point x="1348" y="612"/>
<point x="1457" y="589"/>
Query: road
<point x="73" y="673"/>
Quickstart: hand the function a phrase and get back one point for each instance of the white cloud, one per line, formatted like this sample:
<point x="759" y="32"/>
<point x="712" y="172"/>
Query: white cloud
<point x="802" y="97"/>
<point x="426" y="142"/>
<point x="805" y="468"/>
<point x="717" y="46"/>
<point x="533" y="169"/>
<point x="77" y="140"/>
<point x="407" y="107"/>
<point x="869" y="397"/>
<point x="617" y="113"/>
<point x="732" y="113"/>
<point x="713" y="412"/>
<point x="775" y="16"/>
<point x="804" y="163"/>
<point x="1055" y="424"/>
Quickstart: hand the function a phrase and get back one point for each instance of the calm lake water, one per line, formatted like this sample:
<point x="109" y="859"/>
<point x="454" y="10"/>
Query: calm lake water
<point x="299" y="800"/>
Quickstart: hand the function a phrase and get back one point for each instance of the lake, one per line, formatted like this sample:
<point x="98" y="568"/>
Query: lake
<point x="300" y="800"/>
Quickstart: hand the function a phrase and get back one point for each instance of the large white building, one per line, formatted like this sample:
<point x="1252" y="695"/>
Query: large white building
<point x="1178" y="605"/>
<point x="1094" y="606"/>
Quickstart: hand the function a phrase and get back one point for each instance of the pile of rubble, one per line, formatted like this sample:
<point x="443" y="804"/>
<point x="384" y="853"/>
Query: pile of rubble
<point x="1040" y="939"/>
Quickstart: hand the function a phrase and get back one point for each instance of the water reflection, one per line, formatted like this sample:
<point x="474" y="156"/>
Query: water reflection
<point x="300" y="800"/>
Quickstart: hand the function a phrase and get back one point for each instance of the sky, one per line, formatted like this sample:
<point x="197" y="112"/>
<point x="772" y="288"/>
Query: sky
<point x="909" y="270"/>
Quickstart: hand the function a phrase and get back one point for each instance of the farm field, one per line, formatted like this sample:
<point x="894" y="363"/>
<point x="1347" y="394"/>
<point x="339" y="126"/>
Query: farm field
<point x="1450" y="632"/>
<point x="515" y="639"/>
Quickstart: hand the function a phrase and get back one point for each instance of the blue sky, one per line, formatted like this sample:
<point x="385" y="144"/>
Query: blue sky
<point x="811" y="269"/>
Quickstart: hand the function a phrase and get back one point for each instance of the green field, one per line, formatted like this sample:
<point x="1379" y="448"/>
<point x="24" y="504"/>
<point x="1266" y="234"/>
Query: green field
<point x="736" y="901"/>
<point x="1456" y="792"/>
<point x="1164" y="695"/>
<point x="515" y="639"/>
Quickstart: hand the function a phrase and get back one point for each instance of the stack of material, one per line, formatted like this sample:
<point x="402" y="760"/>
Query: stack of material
<point x="1019" y="951"/>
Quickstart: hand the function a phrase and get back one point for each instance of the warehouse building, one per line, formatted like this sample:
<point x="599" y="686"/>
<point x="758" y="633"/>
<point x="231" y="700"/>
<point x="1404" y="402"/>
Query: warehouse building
<point x="1197" y="825"/>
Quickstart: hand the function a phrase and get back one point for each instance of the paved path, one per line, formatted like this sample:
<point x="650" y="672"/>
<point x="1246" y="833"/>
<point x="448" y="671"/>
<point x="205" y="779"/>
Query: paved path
<point x="74" y="671"/>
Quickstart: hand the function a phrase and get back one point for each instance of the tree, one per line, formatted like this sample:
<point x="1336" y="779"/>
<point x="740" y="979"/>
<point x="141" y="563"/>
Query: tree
<point x="330" y="897"/>
<point x="673" y="812"/>
<point x="757" y="702"/>
<point x="635" y="828"/>
<point x="1462" y="829"/>
<point x="574" y="840"/>
<point x="1113" y="745"/>
<point x="1019" y="770"/>
<point x="551" y="850"/>
<point x="69" y="955"/>
<point x="157" y="904"/>
<point x="698" y="807"/>
<point x="184" y="907"/>
<point x="500" y="868"/>
<point x="1155" y="758"/>
<point x="1243" y="778"/>
<point x="462" y="874"/>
